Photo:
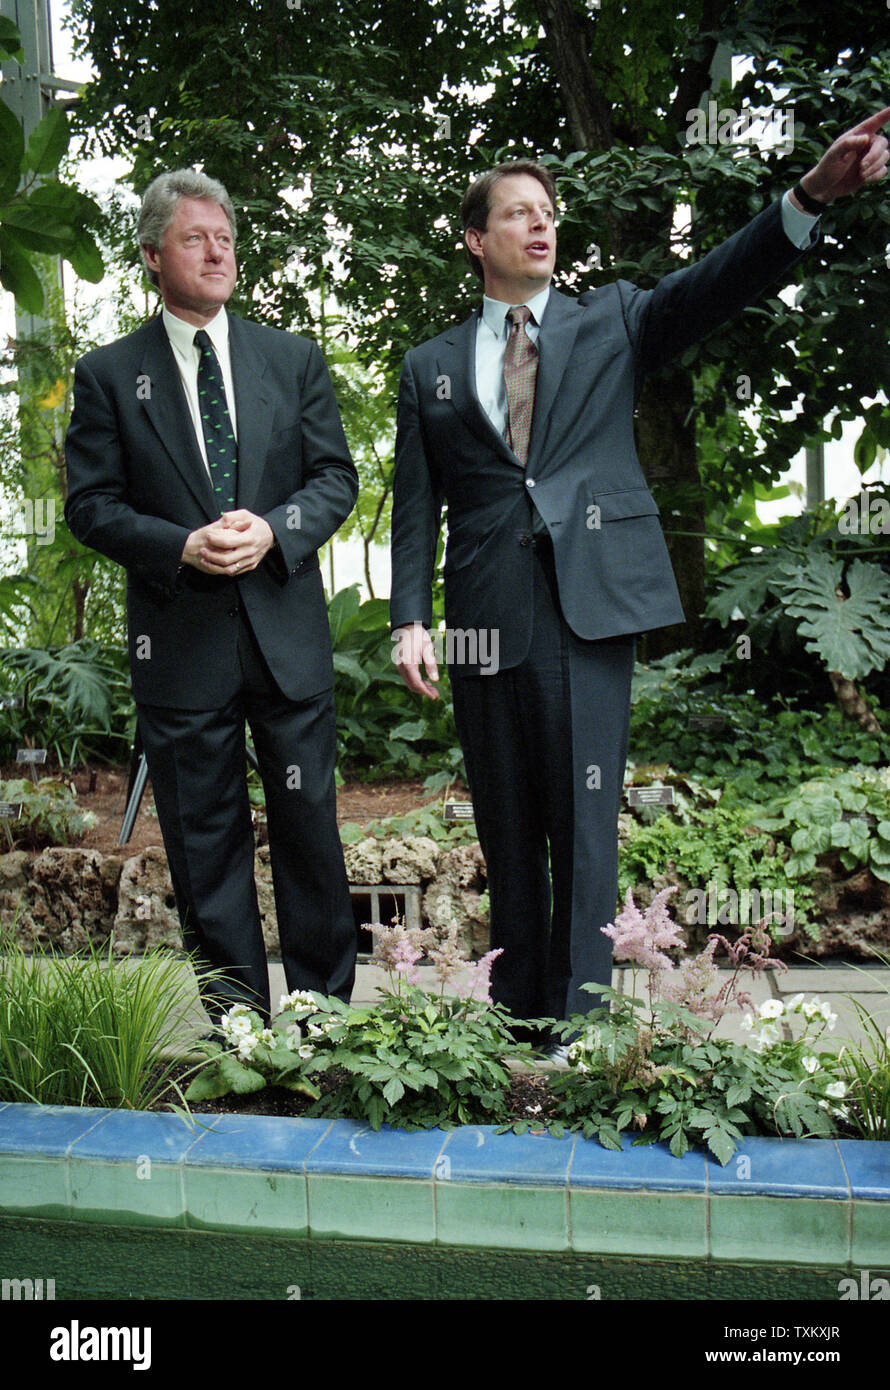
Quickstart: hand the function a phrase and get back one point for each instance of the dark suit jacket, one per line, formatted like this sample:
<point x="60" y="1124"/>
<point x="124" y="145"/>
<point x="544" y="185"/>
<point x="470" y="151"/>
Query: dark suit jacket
<point x="582" y="475"/>
<point x="137" y="486"/>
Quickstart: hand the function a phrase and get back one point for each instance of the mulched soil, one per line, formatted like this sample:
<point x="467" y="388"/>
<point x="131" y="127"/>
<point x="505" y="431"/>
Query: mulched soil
<point x="530" y="1099"/>
<point x="104" y="792"/>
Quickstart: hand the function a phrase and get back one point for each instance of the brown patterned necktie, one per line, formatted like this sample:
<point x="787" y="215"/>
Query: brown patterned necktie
<point x="520" y="370"/>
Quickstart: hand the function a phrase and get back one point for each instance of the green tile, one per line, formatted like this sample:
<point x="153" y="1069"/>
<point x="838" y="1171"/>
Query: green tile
<point x="794" y="1230"/>
<point x="235" y="1200"/>
<point x="129" y="1194"/>
<point x="639" y="1223"/>
<point x="35" y="1186"/>
<point x="871" y="1233"/>
<point x="370" y="1208"/>
<point x="511" y="1217"/>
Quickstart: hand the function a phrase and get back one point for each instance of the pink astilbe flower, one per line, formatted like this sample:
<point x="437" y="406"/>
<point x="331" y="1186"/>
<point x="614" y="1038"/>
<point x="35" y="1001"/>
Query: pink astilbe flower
<point x="643" y="939"/>
<point x="480" y="978"/>
<point x="404" y="959"/>
<point x="693" y="983"/>
<point x="446" y="955"/>
<point x="397" y="948"/>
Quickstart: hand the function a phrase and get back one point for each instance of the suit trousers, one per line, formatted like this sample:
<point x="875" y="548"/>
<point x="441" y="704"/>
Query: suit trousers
<point x="545" y="747"/>
<point x="198" y="768"/>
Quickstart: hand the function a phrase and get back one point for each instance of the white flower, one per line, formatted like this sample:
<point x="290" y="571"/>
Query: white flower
<point x="306" y="1051"/>
<point x="795" y="1002"/>
<point x="247" y="1046"/>
<point x="812" y="1009"/>
<point x="297" y="999"/>
<point x="837" y="1090"/>
<point x="267" y="1037"/>
<point x="771" y="1008"/>
<point x="828" y="1014"/>
<point x="769" y="1035"/>
<point x="810" y="1064"/>
<point x="747" y="1023"/>
<point x="314" y="1031"/>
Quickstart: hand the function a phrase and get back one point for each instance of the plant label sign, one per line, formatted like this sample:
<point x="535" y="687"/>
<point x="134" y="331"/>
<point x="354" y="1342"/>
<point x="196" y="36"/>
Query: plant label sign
<point x="10" y="810"/>
<point x="711" y="723"/>
<point x="650" y="796"/>
<point x="458" y="810"/>
<point x="11" y="702"/>
<point x="31" y="755"/>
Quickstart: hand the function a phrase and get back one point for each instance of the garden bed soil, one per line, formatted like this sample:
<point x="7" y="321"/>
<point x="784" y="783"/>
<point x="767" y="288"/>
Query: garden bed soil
<point x="103" y="791"/>
<point x="530" y="1099"/>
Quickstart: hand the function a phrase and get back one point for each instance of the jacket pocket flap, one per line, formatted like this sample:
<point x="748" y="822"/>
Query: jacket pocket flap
<point x="617" y="506"/>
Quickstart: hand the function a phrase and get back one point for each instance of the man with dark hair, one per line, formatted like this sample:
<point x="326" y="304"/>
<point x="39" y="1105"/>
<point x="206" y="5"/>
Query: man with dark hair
<point x="206" y="455"/>
<point x="521" y="419"/>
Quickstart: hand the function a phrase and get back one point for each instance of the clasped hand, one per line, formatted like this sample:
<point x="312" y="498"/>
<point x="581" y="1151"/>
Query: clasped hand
<point x="233" y="545"/>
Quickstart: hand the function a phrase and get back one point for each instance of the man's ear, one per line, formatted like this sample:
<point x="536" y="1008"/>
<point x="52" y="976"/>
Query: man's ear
<point x="473" y="238"/>
<point x="150" y="254"/>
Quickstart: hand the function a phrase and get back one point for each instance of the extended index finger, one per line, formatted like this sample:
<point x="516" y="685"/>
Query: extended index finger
<point x="872" y="123"/>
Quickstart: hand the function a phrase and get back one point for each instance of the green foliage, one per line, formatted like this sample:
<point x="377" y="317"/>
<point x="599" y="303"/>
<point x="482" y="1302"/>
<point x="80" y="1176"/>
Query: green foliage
<point x="811" y="585"/>
<point x="90" y="1030"/>
<point x="865" y="1068"/>
<point x="250" y="1057"/>
<point x="763" y="743"/>
<point x="426" y="820"/>
<point x="721" y="848"/>
<point x="677" y="1085"/>
<point x="414" y="1059"/>
<point x="50" y="814"/>
<point x="850" y="633"/>
<point x="39" y="215"/>
<point x="381" y="725"/>
<point x="842" y="813"/>
<point x="77" y="702"/>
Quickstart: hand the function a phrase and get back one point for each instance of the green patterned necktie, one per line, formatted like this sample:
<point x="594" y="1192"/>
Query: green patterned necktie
<point x="520" y="371"/>
<point x="219" y="437"/>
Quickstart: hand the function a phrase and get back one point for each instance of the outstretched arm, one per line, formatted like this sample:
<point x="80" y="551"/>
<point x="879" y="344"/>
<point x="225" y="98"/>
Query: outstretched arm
<point x="856" y="158"/>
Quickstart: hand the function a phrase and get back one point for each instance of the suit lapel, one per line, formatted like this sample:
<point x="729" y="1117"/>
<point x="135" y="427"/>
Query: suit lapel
<point x="252" y="405"/>
<point x="457" y="363"/>
<point x="167" y="409"/>
<point x="559" y="328"/>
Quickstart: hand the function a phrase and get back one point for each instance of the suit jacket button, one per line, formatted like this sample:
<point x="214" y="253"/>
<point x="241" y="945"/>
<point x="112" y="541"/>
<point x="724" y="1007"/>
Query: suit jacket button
<point x="529" y="482"/>
<point x="525" y="540"/>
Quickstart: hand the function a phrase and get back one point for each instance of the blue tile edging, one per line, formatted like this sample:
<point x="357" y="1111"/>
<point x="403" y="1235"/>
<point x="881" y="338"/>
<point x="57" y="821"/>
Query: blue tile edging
<point x="805" y="1201"/>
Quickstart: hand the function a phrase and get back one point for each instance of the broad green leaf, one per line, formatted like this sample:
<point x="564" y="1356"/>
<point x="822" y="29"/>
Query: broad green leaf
<point x="850" y="635"/>
<point x="10" y="40"/>
<point x="48" y="142"/>
<point x="85" y="258"/>
<point x="12" y="147"/>
<point x="19" y="276"/>
<point x="34" y="230"/>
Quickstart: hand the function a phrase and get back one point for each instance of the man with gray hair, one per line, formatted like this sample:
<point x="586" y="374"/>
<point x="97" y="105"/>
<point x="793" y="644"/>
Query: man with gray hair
<point x="205" y="454"/>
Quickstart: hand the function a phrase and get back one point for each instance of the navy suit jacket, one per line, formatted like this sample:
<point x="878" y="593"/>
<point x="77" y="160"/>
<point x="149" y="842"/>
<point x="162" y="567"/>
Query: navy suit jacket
<point x="137" y="486"/>
<point x="582" y="476"/>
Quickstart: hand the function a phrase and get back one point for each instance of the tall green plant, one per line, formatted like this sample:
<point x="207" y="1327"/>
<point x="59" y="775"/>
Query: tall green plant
<point x="89" y="1029"/>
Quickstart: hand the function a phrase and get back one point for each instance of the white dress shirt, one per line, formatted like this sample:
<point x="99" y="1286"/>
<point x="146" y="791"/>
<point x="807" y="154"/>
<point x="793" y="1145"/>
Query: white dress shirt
<point x="188" y="357"/>
<point x="492" y="329"/>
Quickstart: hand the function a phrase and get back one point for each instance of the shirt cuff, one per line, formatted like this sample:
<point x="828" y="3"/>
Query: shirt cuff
<point x="798" y="225"/>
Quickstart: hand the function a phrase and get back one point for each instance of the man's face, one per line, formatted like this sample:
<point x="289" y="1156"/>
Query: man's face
<point x="518" y="247"/>
<point x="196" y="260"/>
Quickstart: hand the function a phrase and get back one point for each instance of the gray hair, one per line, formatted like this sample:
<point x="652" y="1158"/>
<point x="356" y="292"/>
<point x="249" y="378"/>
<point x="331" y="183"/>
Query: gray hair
<point x="160" y="200"/>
